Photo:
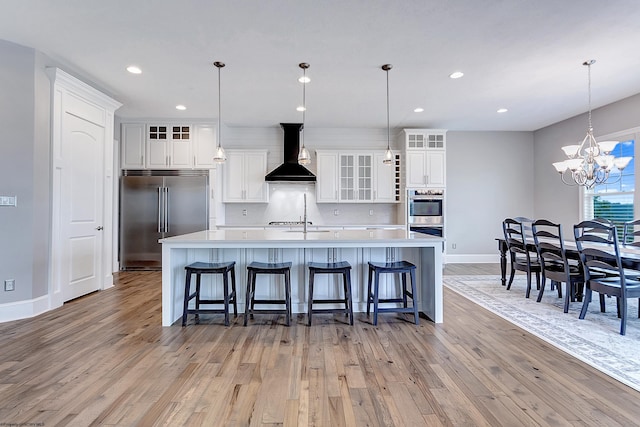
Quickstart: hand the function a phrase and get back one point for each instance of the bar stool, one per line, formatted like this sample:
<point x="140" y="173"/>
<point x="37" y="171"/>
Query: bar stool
<point x="341" y="267"/>
<point x="253" y="270"/>
<point x="402" y="267"/>
<point x="200" y="268"/>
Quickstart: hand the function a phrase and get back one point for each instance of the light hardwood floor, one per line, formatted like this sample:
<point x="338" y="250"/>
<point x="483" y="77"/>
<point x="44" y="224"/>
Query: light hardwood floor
<point x="104" y="359"/>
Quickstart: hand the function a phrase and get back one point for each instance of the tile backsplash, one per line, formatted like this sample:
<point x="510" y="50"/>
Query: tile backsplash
<point x="286" y="203"/>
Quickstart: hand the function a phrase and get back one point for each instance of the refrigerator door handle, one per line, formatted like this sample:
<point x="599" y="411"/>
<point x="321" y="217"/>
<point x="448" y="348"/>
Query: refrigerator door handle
<point x="166" y="209"/>
<point x="160" y="210"/>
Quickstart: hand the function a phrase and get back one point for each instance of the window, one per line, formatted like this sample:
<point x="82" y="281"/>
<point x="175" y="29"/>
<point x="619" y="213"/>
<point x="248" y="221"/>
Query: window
<point x="614" y="201"/>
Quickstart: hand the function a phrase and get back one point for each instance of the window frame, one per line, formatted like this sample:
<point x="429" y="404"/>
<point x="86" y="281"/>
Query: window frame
<point x="586" y="197"/>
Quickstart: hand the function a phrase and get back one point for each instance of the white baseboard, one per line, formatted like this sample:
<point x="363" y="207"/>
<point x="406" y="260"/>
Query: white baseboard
<point x="24" y="309"/>
<point x="472" y="259"/>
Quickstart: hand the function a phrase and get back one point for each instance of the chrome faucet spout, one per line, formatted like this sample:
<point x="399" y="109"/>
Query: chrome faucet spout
<point x="305" y="214"/>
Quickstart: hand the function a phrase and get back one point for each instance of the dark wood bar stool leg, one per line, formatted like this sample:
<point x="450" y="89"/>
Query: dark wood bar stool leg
<point x="310" y="301"/>
<point x="225" y="293"/>
<point x="369" y="294"/>
<point x="249" y="295"/>
<point x="416" y="315"/>
<point x="346" y="278"/>
<point x="287" y="293"/>
<point x="187" y="297"/>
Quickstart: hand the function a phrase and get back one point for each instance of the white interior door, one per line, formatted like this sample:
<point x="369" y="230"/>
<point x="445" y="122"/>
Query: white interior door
<point x="81" y="206"/>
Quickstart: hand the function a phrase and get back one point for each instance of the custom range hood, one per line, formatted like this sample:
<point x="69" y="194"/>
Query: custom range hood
<point x="290" y="170"/>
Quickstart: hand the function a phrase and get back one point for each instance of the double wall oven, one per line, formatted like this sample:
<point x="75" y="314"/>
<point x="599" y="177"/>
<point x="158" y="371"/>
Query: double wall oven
<point x="425" y="211"/>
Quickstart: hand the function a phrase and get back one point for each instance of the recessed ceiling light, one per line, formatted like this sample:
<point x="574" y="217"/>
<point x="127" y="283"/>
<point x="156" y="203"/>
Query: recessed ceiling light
<point x="304" y="79"/>
<point x="134" y="70"/>
<point x="301" y="108"/>
<point x="181" y="107"/>
<point x="418" y="110"/>
<point x="456" y="74"/>
<point x="502" y="110"/>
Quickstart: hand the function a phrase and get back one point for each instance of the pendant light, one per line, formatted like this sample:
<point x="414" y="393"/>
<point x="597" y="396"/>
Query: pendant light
<point x="388" y="155"/>
<point x="219" y="156"/>
<point x="304" y="158"/>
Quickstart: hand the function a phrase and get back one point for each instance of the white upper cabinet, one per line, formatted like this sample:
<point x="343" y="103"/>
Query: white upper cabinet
<point x="169" y="146"/>
<point x="204" y="146"/>
<point x="425" y="158"/>
<point x="132" y="146"/>
<point x="327" y="177"/>
<point x="244" y="172"/>
<point x="387" y="180"/>
<point x="354" y="177"/>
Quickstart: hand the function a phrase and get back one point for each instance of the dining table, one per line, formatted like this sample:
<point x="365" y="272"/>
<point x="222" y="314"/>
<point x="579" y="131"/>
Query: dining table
<point x="629" y="255"/>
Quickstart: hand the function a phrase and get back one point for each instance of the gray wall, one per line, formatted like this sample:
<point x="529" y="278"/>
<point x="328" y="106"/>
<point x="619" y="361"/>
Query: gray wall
<point x="24" y="172"/>
<point x="554" y="200"/>
<point x="489" y="177"/>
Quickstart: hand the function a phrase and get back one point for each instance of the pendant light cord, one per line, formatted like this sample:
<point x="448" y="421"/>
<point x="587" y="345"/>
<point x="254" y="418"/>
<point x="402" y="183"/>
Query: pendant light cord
<point x="304" y="101"/>
<point x="219" y="109"/>
<point x="388" y="137"/>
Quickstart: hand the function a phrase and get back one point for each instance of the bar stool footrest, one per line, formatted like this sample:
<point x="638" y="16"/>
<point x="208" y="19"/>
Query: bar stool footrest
<point x="395" y="310"/>
<point x="388" y="300"/>
<point x="330" y="301"/>
<point x="268" y="311"/>
<point x="331" y="310"/>
<point x="215" y="301"/>
<point x="269" y="301"/>
<point x="206" y="311"/>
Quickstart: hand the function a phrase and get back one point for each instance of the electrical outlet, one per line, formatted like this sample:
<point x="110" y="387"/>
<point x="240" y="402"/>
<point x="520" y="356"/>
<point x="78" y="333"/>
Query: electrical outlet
<point x="8" y="201"/>
<point x="10" y="285"/>
<point x="336" y="212"/>
<point x="244" y="212"/>
<point x="453" y="246"/>
<point x="370" y="212"/>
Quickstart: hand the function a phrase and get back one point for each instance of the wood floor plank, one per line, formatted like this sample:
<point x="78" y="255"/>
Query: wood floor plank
<point x="104" y="359"/>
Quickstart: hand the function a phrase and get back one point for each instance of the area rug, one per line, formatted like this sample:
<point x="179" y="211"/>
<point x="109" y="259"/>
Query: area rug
<point x="596" y="340"/>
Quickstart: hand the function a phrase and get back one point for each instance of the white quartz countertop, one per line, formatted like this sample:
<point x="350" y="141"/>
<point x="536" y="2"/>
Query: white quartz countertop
<point x="315" y="226"/>
<point x="296" y="238"/>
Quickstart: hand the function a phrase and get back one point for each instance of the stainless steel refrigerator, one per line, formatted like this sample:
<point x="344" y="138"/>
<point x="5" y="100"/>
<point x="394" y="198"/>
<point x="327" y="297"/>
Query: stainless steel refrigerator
<point x="155" y="204"/>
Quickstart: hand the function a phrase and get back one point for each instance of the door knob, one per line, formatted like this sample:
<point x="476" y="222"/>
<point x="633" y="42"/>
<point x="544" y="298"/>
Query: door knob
<point x="99" y="228"/>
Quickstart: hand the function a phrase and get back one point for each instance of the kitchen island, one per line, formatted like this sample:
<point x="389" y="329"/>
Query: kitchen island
<point x="358" y="247"/>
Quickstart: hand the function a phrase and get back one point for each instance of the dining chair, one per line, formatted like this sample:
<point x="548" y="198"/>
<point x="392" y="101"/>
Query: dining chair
<point x="555" y="265"/>
<point x="603" y="269"/>
<point x="630" y="233"/>
<point x="522" y="259"/>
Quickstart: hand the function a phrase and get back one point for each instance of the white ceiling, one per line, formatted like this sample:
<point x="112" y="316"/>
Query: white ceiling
<point x="522" y="55"/>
